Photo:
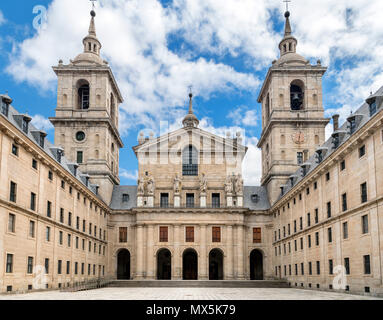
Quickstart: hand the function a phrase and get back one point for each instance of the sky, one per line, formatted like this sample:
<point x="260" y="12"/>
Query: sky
<point x="157" y="49"/>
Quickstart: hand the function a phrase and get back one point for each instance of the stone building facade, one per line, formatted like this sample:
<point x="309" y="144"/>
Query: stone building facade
<point x="64" y="217"/>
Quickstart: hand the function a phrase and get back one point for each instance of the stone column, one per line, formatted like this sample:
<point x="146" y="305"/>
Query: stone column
<point x="176" y="258"/>
<point x="140" y="252"/>
<point x="229" y="262"/>
<point x="150" y="259"/>
<point x="202" y="264"/>
<point x="240" y="251"/>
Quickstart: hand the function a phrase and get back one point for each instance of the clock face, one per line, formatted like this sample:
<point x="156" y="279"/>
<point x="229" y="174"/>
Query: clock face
<point x="299" y="138"/>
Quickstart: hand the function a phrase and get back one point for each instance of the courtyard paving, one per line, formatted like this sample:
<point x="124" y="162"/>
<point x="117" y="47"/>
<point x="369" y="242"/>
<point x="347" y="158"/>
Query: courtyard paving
<point x="187" y="294"/>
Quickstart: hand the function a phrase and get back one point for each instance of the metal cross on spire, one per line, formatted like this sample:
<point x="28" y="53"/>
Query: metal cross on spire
<point x="190" y="89"/>
<point x="287" y="4"/>
<point x="93" y="4"/>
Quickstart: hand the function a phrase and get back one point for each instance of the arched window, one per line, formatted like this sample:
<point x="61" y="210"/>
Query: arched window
<point x="190" y="161"/>
<point x="83" y="94"/>
<point x="297" y="95"/>
<point x="290" y="46"/>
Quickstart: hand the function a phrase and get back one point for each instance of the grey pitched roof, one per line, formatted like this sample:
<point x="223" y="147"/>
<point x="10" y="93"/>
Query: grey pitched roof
<point x="117" y="198"/>
<point x="362" y="116"/>
<point x="15" y="118"/>
<point x="260" y="202"/>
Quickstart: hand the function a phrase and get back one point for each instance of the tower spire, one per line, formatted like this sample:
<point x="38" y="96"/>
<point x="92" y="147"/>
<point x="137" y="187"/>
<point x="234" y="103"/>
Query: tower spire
<point x="190" y="120"/>
<point x="287" y="24"/>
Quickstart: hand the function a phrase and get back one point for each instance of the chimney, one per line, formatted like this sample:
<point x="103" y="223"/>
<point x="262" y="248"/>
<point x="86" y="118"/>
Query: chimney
<point x="335" y="119"/>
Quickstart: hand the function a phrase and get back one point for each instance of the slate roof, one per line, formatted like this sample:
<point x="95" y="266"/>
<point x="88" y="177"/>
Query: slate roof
<point x="117" y="201"/>
<point x="15" y="118"/>
<point x="259" y="203"/>
<point x="362" y="116"/>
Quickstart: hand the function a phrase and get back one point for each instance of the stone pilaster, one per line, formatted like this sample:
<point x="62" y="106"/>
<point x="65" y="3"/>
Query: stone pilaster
<point x="176" y="258"/>
<point x="229" y="262"/>
<point x="150" y="254"/>
<point x="140" y="252"/>
<point x="203" y="259"/>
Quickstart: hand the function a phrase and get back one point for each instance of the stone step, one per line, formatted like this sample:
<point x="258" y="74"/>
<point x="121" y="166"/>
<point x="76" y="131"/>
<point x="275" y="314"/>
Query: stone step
<point x="198" y="284"/>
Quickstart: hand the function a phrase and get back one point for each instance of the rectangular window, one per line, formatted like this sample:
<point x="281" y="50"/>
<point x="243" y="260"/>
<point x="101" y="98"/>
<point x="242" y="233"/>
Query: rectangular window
<point x="34" y="164"/>
<point x="309" y="241"/>
<point x="310" y="268"/>
<point x="11" y="223"/>
<point x="363" y="192"/>
<point x="83" y="244"/>
<point x="30" y="265"/>
<point x="69" y="218"/>
<point x="190" y="200"/>
<point x="163" y="234"/>
<point x="296" y="269"/>
<point x="329" y="233"/>
<point x="9" y="267"/>
<point x="344" y="202"/>
<point x="75" y="267"/>
<point x="83" y="225"/>
<point x="33" y="201"/>
<point x="216" y="234"/>
<point x="288" y="229"/>
<point x="15" y="150"/>
<point x="318" y="267"/>
<point x="79" y="157"/>
<point x="68" y="267"/>
<point x="299" y="157"/>
<point x="32" y="229"/>
<point x="189" y="234"/>
<point x="125" y="198"/>
<point x="307" y="191"/>
<point x="367" y="266"/>
<point x="164" y="200"/>
<point x="88" y="269"/>
<point x="4" y="108"/>
<point x="50" y="175"/>
<point x="61" y="215"/>
<point x="330" y="267"/>
<point x="216" y="201"/>
<point x="300" y="223"/>
<point x="347" y="265"/>
<point x="59" y="267"/>
<point x="362" y="151"/>
<point x="343" y="165"/>
<point x="60" y="237"/>
<point x="295" y="245"/>
<point x="48" y="234"/>
<point x="77" y="242"/>
<point x="82" y="268"/>
<point x="317" y="238"/>
<point x="12" y="192"/>
<point x="69" y="240"/>
<point x="345" y="230"/>
<point x="301" y="240"/>
<point x="328" y="176"/>
<point x="295" y="225"/>
<point x="49" y="209"/>
<point x="63" y="184"/>
<point x="46" y="265"/>
<point x="302" y="269"/>
<point x="78" y="223"/>
<point x="365" y="224"/>
<point x="24" y="125"/>
<point x="329" y="209"/>
<point x="123" y="234"/>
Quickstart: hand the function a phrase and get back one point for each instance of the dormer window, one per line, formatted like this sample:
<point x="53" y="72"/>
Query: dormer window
<point x="255" y="198"/>
<point x="335" y="141"/>
<point x="4" y="108"/>
<point x="319" y="156"/>
<point x="372" y="106"/>
<point x="25" y="125"/>
<point x="125" y="197"/>
<point x="352" y="125"/>
<point x="41" y="140"/>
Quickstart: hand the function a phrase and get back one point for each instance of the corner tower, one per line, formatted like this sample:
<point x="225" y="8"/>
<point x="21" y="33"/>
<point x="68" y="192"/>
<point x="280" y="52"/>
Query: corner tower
<point x="86" y="121"/>
<point x="293" y="122"/>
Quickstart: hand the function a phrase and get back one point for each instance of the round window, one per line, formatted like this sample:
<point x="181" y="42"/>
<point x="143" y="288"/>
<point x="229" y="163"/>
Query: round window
<point x="80" y="136"/>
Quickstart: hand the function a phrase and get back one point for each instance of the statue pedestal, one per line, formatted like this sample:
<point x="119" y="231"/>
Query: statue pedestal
<point x="150" y="201"/>
<point x="240" y="201"/>
<point x="140" y="201"/>
<point x="202" y="200"/>
<point x="177" y="200"/>
<point x="229" y="201"/>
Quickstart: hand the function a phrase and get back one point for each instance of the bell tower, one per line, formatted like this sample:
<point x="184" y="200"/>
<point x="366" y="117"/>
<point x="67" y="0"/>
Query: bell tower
<point x="86" y="121"/>
<point x="293" y="122"/>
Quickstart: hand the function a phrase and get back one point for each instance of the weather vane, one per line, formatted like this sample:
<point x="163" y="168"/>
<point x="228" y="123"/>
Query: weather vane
<point x="287" y="4"/>
<point x="93" y="5"/>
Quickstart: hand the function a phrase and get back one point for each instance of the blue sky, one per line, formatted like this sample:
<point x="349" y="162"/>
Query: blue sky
<point x="158" y="48"/>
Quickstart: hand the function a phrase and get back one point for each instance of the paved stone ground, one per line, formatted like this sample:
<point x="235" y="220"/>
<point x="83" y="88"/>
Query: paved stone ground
<point x="187" y="294"/>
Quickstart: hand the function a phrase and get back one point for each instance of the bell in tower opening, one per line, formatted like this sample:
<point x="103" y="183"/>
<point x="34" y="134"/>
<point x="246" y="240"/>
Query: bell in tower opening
<point x="296" y="95"/>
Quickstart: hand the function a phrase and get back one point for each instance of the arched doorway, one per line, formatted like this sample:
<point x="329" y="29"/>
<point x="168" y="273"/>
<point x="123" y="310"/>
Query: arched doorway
<point x="190" y="265"/>
<point x="164" y="265"/>
<point x="123" y="265"/>
<point x="215" y="265"/>
<point x="256" y="265"/>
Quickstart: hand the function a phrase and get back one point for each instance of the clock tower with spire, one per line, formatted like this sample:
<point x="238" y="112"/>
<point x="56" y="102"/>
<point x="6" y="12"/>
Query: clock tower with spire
<point x="86" y="121"/>
<point x="293" y="122"/>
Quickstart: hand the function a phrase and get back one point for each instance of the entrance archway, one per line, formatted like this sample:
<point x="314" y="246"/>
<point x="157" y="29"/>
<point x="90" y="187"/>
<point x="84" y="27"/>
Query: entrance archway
<point x="123" y="265"/>
<point x="190" y="265"/>
<point x="215" y="265"/>
<point x="256" y="265"/>
<point x="164" y="264"/>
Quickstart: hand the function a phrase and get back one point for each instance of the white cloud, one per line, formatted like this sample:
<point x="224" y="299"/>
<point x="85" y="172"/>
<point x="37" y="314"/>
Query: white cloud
<point x="252" y="164"/>
<point x="243" y="116"/>
<point x="2" y="19"/>
<point x="129" y="175"/>
<point x="41" y="123"/>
